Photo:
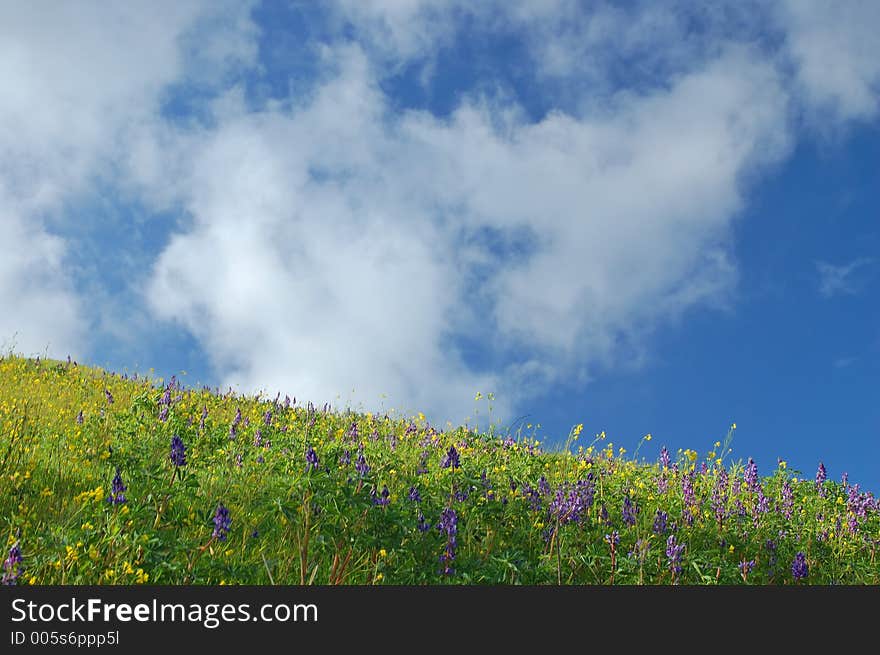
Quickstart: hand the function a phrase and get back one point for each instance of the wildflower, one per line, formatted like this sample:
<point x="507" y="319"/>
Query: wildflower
<point x="449" y="525"/>
<point x="222" y="522"/>
<point x="79" y="418"/>
<point x="664" y="458"/>
<point x="345" y="458"/>
<point x="12" y="568"/>
<point x="267" y="418"/>
<point x="719" y="495"/>
<point x="109" y="396"/>
<point x="543" y="486"/>
<point x="204" y="416"/>
<point x="612" y="539"/>
<point x="163" y="414"/>
<point x="687" y="489"/>
<point x="381" y="499"/>
<point x="414" y="494"/>
<point x="640" y="550"/>
<point x="117" y="490"/>
<point x="660" y="519"/>
<point x="451" y="458"/>
<point x="629" y="512"/>
<point x="178" y="451"/>
<point x="311" y="459"/>
<point x="673" y="555"/>
<point x="745" y="567"/>
<point x="423" y="524"/>
<point x="787" y="499"/>
<point x="821" y="476"/>
<point x="361" y="465"/>
<point x="799" y="568"/>
<point x="751" y="475"/>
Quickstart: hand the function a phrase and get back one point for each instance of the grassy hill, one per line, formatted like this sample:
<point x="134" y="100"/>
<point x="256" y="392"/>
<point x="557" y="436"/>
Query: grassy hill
<point x="108" y="479"/>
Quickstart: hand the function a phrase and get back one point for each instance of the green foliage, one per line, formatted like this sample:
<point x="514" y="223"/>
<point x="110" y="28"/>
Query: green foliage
<point x="298" y="524"/>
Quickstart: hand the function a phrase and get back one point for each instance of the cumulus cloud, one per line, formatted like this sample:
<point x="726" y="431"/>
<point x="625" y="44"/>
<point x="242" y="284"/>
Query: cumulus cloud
<point x="342" y="246"/>
<point x="836" y="51"/>
<point x="80" y="83"/>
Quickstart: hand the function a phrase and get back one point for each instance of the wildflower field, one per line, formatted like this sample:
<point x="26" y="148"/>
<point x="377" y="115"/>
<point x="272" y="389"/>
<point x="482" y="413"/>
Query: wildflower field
<point x="110" y="479"/>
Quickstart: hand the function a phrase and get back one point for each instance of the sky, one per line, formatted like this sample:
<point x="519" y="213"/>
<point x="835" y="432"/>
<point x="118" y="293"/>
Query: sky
<point x="643" y="217"/>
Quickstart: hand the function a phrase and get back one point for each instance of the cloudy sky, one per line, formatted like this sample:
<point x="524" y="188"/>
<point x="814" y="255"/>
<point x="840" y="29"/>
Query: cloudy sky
<point x="643" y="219"/>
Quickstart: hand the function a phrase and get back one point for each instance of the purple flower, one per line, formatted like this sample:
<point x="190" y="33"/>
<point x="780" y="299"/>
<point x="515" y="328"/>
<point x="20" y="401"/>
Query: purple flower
<point x="381" y="499"/>
<point x="664" y="458"/>
<point x="423" y="524"/>
<point x="448" y="525"/>
<point x="719" y="495"/>
<point x="109" y="396"/>
<point x="361" y="465"/>
<point x="629" y="512"/>
<point x="543" y="486"/>
<point x="414" y="494"/>
<point x="799" y="568"/>
<point x="612" y="539"/>
<point x="79" y="418"/>
<point x="345" y="458"/>
<point x="12" y="568"/>
<point x="821" y="474"/>
<point x="660" y="519"/>
<point x="673" y="555"/>
<point x="745" y="567"/>
<point x="178" y="451"/>
<point x="163" y="413"/>
<point x="787" y="499"/>
<point x="204" y="416"/>
<point x="751" y="475"/>
<point x="117" y="490"/>
<point x="311" y="459"/>
<point x="222" y="522"/>
<point x="233" y="428"/>
<point x="267" y="418"/>
<point x="687" y="489"/>
<point x="451" y="458"/>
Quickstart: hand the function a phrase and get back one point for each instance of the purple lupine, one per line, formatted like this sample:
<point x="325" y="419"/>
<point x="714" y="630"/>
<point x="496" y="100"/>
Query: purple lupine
<point x="178" y="452"/>
<point x="12" y="568"/>
<point x="664" y="458"/>
<point x="629" y="512"/>
<point x="345" y="458"/>
<point x="79" y="418"/>
<point x="533" y="497"/>
<point x="844" y="479"/>
<point x="414" y="494"/>
<point x="543" y="486"/>
<point x="799" y="569"/>
<point x="311" y="459"/>
<point x="751" y="475"/>
<point x="258" y="438"/>
<point x="745" y="567"/>
<point x="762" y="503"/>
<point x="423" y="463"/>
<point x="687" y="489"/>
<point x="267" y="418"/>
<point x="117" y="490"/>
<point x="450" y="459"/>
<point x="222" y="522"/>
<point x="233" y="428"/>
<point x="204" y="416"/>
<point x="660" y="520"/>
<point x="109" y="396"/>
<point x="821" y="475"/>
<point x="572" y="502"/>
<point x="423" y="524"/>
<point x="787" y="499"/>
<point x="361" y="465"/>
<point x="163" y="413"/>
<point x="662" y="483"/>
<point x="381" y="499"/>
<point x="603" y="514"/>
<point x="673" y="555"/>
<point x="640" y="550"/>
<point x="448" y="525"/>
<point x="612" y="539"/>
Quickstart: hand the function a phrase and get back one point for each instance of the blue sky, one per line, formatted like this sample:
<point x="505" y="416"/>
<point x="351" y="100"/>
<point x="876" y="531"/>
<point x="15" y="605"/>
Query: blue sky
<point x="640" y="218"/>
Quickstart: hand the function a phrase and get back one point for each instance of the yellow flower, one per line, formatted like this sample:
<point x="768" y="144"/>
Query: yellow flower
<point x="141" y="577"/>
<point x="730" y="550"/>
<point x="647" y="437"/>
<point x="383" y="553"/>
<point x="380" y="577"/>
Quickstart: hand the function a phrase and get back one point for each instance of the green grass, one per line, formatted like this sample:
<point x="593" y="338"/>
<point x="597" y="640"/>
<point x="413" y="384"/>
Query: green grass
<point x="295" y="525"/>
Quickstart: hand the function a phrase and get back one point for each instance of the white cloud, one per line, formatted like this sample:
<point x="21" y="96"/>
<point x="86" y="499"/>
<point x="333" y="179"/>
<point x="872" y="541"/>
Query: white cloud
<point x="340" y="246"/>
<point x="836" y="50"/>
<point x="841" y="279"/>
<point x="80" y="82"/>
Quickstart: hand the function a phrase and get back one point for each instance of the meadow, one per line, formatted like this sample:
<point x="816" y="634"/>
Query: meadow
<point x="118" y="479"/>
